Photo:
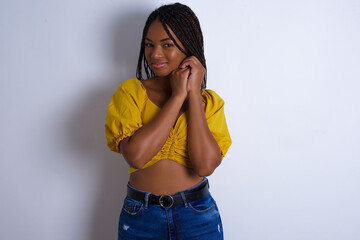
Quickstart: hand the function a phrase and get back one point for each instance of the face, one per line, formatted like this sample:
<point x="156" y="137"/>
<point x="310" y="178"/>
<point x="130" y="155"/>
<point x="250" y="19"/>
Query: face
<point x="160" y="51"/>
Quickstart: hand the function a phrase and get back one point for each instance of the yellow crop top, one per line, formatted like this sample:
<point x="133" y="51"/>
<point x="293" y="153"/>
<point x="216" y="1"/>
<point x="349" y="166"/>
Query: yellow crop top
<point x="130" y="109"/>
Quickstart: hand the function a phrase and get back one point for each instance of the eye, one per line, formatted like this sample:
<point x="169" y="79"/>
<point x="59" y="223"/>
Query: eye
<point x="148" y="45"/>
<point x="168" y="45"/>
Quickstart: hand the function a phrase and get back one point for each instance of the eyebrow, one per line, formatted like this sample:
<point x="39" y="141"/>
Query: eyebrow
<point x="162" y="40"/>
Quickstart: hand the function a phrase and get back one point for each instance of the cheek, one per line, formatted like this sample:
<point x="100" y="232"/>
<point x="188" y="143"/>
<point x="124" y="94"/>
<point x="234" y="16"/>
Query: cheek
<point x="147" y="55"/>
<point x="177" y="56"/>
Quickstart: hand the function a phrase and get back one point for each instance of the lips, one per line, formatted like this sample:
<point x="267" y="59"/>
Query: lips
<point x="158" y="64"/>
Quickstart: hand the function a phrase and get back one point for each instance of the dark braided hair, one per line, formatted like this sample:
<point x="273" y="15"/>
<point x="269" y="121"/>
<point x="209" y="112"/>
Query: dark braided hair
<point x="185" y="25"/>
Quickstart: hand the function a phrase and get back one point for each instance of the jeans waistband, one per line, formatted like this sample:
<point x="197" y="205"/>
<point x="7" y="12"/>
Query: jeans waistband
<point x="165" y="201"/>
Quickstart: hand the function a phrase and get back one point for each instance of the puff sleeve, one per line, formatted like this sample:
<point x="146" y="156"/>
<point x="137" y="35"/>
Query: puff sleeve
<point x="215" y="117"/>
<point x="123" y="116"/>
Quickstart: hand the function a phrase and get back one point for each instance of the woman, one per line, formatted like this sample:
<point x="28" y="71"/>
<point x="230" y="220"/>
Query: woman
<point x="171" y="131"/>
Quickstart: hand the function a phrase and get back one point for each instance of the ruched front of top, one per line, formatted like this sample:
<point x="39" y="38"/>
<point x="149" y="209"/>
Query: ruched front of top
<point x="130" y="109"/>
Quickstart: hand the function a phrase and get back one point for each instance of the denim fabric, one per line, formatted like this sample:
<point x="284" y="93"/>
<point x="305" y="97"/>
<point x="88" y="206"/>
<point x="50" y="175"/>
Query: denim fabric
<point x="198" y="219"/>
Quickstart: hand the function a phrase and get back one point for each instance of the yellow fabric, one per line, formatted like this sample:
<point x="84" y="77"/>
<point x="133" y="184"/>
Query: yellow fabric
<point x="130" y="109"/>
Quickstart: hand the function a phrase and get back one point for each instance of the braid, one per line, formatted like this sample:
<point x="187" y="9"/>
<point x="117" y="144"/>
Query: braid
<point x="185" y="25"/>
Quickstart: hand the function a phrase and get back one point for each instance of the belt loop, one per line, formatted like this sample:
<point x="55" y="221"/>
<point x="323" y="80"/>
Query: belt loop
<point x="184" y="199"/>
<point x="207" y="180"/>
<point x="147" y="200"/>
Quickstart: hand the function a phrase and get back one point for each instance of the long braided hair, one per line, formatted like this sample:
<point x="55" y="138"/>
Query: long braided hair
<point x="185" y="25"/>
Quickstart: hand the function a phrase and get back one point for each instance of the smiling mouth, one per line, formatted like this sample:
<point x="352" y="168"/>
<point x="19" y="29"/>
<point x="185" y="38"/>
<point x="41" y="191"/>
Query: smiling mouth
<point x="158" y="65"/>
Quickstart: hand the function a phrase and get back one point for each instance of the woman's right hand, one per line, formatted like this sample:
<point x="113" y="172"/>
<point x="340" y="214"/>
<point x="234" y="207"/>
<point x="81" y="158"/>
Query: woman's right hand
<point x="178" y="80"/>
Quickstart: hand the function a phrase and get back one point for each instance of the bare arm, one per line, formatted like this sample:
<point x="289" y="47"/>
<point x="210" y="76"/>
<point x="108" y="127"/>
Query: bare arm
<point x="204" y="151"/>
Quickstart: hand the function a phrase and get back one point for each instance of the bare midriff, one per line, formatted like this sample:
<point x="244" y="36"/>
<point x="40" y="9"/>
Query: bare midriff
<point x="164" y="177"/>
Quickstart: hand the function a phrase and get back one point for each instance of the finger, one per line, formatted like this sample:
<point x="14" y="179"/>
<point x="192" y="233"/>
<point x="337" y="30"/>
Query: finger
<point x="191" y="59"/>
<point x="191" y="63"/>
<point x="186" y="62"/>
<point x="186" y="72"/>
<point x="180" y="70"/>
<point x="185" y="65"/>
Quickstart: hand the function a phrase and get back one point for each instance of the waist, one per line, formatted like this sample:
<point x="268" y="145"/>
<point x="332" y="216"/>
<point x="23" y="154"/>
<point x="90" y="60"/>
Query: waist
<point x="164" y="177"/>
<point x="193" y="193"/>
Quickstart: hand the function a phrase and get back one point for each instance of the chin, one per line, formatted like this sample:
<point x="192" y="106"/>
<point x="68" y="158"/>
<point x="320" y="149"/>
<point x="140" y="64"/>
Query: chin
<point x="161" y="73"/>
<point x="162" y="76"/>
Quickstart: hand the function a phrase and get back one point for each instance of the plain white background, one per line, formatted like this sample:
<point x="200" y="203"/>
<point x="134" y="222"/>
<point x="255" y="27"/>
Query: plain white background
<point x="288" y="71"/>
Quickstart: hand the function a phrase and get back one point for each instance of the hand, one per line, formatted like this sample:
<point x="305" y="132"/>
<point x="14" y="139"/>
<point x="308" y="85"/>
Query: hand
<point x="178" y="81"/>
<point x="196" y="76"/>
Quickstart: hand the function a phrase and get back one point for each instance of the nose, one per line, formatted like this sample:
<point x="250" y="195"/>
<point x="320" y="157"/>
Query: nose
<point x="157" y="52"/>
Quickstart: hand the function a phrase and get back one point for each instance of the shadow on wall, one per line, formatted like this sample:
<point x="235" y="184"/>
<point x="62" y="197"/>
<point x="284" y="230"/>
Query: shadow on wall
<point x="87" y="134"/>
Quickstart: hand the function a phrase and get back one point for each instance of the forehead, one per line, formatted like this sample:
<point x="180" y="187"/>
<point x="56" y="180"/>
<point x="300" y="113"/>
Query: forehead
<point x="156" y="31"/>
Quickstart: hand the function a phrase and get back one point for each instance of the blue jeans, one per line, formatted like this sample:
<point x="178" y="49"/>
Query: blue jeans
<point x="199" y="219"/>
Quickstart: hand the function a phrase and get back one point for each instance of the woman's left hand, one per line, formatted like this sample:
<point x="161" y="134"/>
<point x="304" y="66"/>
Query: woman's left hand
<point x="196" y="75"/>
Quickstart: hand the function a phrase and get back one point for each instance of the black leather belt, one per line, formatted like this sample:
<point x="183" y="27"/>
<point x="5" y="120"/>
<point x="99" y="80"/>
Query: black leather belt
<point x="167" y="201"/>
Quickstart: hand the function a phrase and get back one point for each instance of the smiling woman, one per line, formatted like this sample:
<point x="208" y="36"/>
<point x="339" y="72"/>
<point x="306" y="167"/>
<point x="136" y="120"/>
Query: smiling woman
<point x="160" y="51"/>
<point x="172" y="132"/>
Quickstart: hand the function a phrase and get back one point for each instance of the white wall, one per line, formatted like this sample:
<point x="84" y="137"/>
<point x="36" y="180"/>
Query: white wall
<point x="288" y="71"/>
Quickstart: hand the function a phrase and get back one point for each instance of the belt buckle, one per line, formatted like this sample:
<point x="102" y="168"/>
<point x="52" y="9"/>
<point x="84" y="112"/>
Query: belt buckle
<point x="166" y="201"/>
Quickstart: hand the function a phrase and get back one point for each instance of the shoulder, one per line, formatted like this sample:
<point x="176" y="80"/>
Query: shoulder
<point x="211" y="99"/>
<point x="131" y="90"/>
<point x="131" y="85"/>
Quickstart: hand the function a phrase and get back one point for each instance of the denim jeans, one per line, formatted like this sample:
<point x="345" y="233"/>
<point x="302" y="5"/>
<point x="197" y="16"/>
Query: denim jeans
<point x="199" y="219"/>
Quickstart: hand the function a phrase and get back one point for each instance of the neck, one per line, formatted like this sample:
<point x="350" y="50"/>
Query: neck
<point x="163" y="84"/>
